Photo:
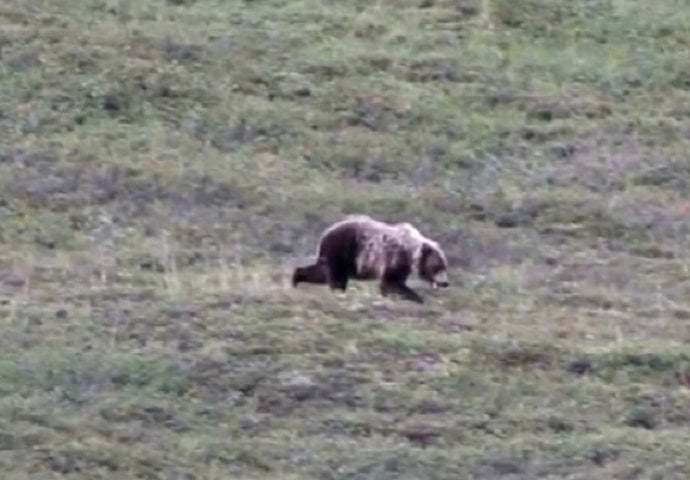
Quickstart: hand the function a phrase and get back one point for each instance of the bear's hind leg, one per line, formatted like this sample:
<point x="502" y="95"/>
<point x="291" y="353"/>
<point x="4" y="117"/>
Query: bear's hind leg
<point x="337" y="274"/>
<point x="315" y="273"/>
<point x="337" y="280"/>
<point x="338" y="283"/>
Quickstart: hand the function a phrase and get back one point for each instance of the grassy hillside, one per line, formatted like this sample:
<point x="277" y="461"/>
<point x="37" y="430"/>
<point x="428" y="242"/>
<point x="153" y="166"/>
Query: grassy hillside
<point x="165" y="164"/>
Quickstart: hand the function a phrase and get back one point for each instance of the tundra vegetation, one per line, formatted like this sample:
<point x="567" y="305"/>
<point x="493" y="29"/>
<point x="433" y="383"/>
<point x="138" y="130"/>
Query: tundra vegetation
<point x="165" y="164"/>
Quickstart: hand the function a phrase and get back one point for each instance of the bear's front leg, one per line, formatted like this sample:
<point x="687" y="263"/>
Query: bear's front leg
<point x="401" y="289"/>
<point x="409" y="294"/>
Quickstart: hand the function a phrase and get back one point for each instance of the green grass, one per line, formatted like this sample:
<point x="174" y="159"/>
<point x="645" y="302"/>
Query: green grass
<point x="164" y="166"/>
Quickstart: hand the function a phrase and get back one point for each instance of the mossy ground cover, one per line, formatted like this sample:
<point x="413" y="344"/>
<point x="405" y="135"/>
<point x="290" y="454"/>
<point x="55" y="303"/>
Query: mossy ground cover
<point x="164" y="165"/>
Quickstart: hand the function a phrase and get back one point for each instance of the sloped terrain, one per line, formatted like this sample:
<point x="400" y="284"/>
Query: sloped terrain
<point x="165" y="164"/>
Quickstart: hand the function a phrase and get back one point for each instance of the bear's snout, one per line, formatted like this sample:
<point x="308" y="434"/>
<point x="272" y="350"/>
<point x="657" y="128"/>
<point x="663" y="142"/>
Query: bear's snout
<point x="440" y="280"/>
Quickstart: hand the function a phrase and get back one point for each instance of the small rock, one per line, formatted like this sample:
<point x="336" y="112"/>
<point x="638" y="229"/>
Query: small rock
<point x="303" y="92"/>
<point x="580" y="366"/>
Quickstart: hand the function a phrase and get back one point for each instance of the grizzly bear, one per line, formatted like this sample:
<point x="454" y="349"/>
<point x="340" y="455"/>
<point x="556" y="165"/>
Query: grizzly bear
<point x="362" y="248"/>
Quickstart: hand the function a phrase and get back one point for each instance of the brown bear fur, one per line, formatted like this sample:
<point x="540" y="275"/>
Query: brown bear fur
<point x="362" y="248"/>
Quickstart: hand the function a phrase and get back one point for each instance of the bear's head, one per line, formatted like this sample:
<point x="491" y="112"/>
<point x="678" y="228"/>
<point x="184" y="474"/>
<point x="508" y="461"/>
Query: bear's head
<point x="433" y="266"/>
